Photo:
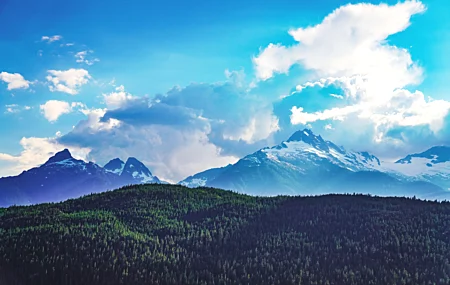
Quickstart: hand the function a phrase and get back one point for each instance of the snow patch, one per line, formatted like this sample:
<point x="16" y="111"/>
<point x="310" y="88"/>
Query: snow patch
<point x="195" y="182"/>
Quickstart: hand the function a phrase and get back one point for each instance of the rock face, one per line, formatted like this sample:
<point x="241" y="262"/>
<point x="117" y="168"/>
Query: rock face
<point x="306" y="164"/>
<point x="63" y="177"/>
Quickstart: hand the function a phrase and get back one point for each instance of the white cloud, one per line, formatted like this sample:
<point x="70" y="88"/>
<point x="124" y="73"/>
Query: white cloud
<point x="259" y="127"/>
<point x="93" y="122"/>
<point x="53" y="109"/>
<point x="349" y="41"/>
<point x="51" y="38"/>
<point x="35" y="152"/>
<point x="177" y="134"/>
<point x="14" y="80"/>
<point x="170" y="153"/>
<point x="300" y="117"/>
<point x="349" y="49"/>
<point x="328" y="127"/>
<point x="68" y="81"/>
<point x="82" y="57"/>
<point x="118" y="98"/>
<point x="14" y="108"/>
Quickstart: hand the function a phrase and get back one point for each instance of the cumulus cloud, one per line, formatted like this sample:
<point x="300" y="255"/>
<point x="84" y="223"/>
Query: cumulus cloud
<point x="181" y="132"/>
<point x="96" y="122"/>
<point x="118" y="98"/>
<point x="14" y="80"/>
<point x="53" y="109"/>
<point x="35" y="152"/>
<point x="349" y="41"/>
<point x="171" y="153"/>
<point x="349" y="51"/>
<point x="51" y="39"/>
<point x="233" y="113"/>
<point x="67" y="81"/>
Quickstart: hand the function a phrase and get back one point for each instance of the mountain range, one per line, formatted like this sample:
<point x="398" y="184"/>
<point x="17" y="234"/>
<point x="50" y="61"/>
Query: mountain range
<point x="63" y="177"/>
<point x="305" y="164"/>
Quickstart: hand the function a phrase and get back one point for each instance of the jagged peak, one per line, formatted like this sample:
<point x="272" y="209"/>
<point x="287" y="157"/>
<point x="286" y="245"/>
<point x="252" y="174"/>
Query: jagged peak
<point x="116" y="160"/>
<point x="114" y="165"/>
<point x="307" y="136"/>
<point x="304" y="135"/>
<point x="133" y="160"/>
<point x="60" y="156"/>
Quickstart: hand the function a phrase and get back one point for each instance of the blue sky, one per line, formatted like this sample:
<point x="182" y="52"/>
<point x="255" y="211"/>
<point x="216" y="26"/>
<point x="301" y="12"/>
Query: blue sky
<point x="210" y="67"/>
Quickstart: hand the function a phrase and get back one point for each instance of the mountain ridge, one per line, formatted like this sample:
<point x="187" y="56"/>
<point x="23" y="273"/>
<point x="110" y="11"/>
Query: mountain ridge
<point x="304" y="164"/>
<point x="63" y="177"/>
<point x="307" y="164"/>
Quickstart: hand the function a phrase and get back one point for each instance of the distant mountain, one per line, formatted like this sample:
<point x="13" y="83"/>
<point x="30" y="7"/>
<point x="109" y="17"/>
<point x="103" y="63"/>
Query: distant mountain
<point x="133" y="171"/>
<point x="202" y="178"/>
<point x="432" y="165"/>
<point x="63" y="177"/>
<point x="115" y="166"/>
<point x="307" y="164"/>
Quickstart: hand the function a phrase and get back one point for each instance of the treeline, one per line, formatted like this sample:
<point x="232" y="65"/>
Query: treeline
<point x="165" y="234"/>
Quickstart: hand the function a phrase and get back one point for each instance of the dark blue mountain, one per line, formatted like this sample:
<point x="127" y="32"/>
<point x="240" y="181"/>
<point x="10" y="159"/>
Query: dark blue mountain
<point x="63" y="177"/>
<point x="134" y="170"/>
<point x="115" y="166"/>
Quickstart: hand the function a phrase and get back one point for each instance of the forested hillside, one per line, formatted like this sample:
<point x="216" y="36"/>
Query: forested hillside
<point x="165" y="234"/>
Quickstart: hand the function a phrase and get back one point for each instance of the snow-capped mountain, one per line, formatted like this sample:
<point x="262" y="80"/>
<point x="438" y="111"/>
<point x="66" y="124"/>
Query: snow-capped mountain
<point x="115" y="166"/>
<point x="432" y="165"/>
<point x="307" y="164"/>
<point x="133" y="170"/>
<point x="63" y="177"/>
<point x="305" y="146"/>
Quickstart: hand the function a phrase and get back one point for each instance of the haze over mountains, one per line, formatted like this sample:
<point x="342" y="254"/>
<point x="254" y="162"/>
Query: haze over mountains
<point x="305" y="164"/>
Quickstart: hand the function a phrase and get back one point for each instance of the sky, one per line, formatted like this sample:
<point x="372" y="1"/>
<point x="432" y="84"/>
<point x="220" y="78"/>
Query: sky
<point x="185" y="86"/>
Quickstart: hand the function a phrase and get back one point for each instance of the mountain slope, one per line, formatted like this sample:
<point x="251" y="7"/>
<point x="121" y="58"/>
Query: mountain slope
<point x="201" y="178"/>
<point x="164" y="234"/>
<point x="306" y="164"/>
<point x="63" y="177"/>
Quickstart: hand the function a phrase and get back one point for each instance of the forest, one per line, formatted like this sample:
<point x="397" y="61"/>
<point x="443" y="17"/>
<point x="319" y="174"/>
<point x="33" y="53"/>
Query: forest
<point x="169" y="234"/>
